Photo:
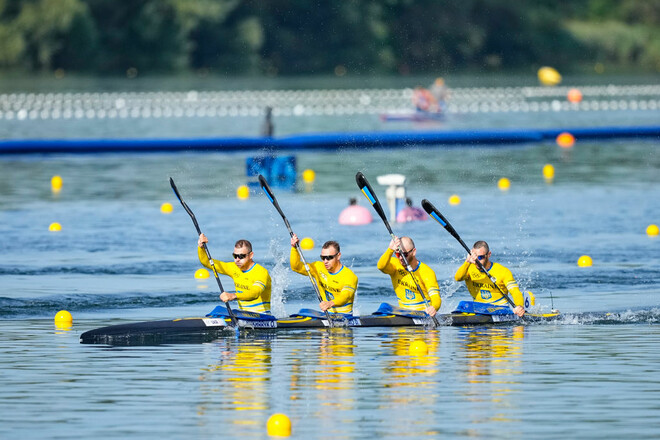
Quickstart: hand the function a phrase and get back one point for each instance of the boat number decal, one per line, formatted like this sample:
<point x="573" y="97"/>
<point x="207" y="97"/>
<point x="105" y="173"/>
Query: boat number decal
<point x="214" y="322"/>
<point x="420" y="321"/>
<point x="258" y="324"/>
<point x="354" y="322"/>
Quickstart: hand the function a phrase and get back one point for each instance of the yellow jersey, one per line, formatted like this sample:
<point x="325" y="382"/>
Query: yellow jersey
<point x="404" y="285"/>
<point x="252" y="286"/>
<point x="483" y="290"/>
<point x="339" y="287"/>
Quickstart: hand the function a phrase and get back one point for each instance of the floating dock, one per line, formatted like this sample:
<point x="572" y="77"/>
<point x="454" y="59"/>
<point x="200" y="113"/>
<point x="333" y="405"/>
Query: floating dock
<point x="327" y="141"/>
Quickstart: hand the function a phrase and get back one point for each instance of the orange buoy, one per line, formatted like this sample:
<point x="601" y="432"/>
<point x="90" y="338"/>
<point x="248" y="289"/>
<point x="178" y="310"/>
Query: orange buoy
<point x="574" y="96"/>
<point x="565" y="140"/>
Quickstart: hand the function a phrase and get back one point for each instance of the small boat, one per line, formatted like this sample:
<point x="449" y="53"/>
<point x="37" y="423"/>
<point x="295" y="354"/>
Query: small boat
<point x="217" y="323"/>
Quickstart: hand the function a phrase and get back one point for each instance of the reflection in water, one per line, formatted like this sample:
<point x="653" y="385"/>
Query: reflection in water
<point x="238" y="380"/>
<point x="493" y="364"/>
<point x="328" y="368"/>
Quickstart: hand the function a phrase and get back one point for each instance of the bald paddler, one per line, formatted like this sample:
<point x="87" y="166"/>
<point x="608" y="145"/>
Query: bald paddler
<point x="402" y="281"/>
<point x="337" y="283"/>
<point x="251" y="280"/>
<point x="479" y="284"/>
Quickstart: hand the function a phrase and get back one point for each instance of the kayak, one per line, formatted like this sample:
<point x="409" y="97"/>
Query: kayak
<point x="414" y="116"/>
<point x="218" y="323"/>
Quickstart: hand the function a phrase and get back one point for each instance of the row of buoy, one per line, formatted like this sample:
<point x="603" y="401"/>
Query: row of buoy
<point x="121" y="99"/>
<point x="324" y="109"/>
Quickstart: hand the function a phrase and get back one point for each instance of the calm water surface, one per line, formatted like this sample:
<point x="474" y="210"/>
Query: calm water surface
<point x="118" y="259"/>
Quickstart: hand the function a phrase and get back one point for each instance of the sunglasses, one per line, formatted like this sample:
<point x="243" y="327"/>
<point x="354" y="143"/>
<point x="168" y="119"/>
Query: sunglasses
<point x="481" y="257"/>
<point x="239" y="256"/>
<point x="405" y="254"/>
<point x="328" y="257"/>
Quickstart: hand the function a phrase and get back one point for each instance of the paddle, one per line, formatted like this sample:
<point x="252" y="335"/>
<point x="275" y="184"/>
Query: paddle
<point x="273" y="200"/>
<point x="433" y="212"/>
<point x="234" y="322"/>
<point x="369" y="193"/>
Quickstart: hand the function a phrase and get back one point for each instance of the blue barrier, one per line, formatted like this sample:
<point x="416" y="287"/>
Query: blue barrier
<point x="379" y="139"/>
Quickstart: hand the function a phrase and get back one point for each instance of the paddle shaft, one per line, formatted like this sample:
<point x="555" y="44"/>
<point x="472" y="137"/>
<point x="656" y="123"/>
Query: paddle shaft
<point x="369" y="193"/>
<point x="433" y="212"/>
<point x="234" y="321"/>
<point x="273" y="200"/>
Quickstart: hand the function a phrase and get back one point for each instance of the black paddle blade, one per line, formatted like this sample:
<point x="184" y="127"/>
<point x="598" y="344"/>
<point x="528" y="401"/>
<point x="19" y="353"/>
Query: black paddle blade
<point x="369" y="193"/>
<point x="437" y="216"/>
<point x="185" y="206"/>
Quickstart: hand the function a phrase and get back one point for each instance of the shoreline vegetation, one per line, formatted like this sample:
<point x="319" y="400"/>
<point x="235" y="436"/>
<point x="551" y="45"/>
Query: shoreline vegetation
<point x="356" y="38"/>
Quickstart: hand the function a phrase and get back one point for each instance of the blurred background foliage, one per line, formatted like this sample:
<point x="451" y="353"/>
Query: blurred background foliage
<point x="289" y="37"/>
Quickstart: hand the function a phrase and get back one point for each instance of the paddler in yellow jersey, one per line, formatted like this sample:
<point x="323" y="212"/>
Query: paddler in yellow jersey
<point x="251" y="280"/>
<point x="337" y="283"/>
<point x="479" y="284"/>
<point x="404" y="285"/>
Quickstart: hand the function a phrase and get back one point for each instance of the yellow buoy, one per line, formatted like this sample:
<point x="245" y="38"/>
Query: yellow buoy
<point x="504" y="184"/>
<point x="454" y="200"/>
<point x="652" y="230"/>
<point x="418" y="348"/>
<point x="63" y="319"/>
<point x="279" y="425"/>
<point x="574" y="96"/>
<point x="56" y="183"/>
<point x="548" y="171"/>
<point x="166" y="208"/>
<point x="585" y="261"/>
<point x="307" y="243"/>
<point x="565" y="140"/>
<point x="202" y="273"/>
<point x="55" y="227"/>
<point x="309" y="176"/>
<point x="243" y="192"/>
<point x="548" y="76"/>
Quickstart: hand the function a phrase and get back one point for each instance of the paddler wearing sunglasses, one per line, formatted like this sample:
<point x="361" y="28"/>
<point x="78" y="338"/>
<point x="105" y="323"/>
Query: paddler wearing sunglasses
<point x="402" y="281"/>
<point x="251" y="280"/>
<point x="479" y="284"/>
<point x="337" y="283"/>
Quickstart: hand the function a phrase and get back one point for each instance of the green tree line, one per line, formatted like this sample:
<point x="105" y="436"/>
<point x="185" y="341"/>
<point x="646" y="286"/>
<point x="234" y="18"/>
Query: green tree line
<point x="288" y="37"/>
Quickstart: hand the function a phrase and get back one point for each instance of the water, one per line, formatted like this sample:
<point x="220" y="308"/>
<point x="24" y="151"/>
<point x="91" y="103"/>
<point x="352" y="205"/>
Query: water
<point x="119" y="259"/>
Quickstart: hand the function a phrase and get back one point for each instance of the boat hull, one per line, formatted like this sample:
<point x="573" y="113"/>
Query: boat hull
<point x="197" y="330"/>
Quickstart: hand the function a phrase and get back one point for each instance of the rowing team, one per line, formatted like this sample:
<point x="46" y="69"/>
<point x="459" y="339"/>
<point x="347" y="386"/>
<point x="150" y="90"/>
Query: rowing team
<point x="414" y="282"/>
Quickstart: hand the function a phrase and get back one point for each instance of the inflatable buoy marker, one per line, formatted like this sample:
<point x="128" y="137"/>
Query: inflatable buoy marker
<point x="652" y="230"/>
<point x="574" y="96"/>
<point x="63" y="319"/>
<point x="565" y="140"/>
<point x="309" y="176"/>
<point x="548" y="172"/>
<point x="56" y="184"/>
<point x="585" y="261"/>
<point x="166" y="208"/>
<point x="548" y="76"/>
<point x="55" y="227"/>
<point x="418" y="348"/>
<point x="504" y="184"/>
<point x="243" y="192"/>
<point x="279" y="425"/>
<point x="202" y="274"/>
<point x="307" y="244"/>
<point x="454" y="200"/>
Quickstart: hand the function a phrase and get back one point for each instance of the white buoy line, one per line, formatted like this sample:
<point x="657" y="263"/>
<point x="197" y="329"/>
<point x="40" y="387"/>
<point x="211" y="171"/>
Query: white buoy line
<point x="328" y="102"/>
